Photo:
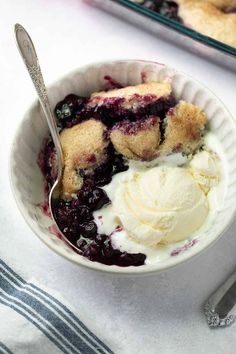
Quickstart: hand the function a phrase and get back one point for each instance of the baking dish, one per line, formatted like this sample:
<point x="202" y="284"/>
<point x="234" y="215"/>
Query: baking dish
<point x="170" y="30"/>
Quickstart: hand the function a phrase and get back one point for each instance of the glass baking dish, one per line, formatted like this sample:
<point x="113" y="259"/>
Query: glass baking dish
<point x="170" y="30"/>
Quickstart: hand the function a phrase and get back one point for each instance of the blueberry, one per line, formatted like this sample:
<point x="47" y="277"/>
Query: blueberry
<point x="164" y="7"/>
<point x="102" y="181"/>
<point x="68" y="111"/>
<point x="62" y="111"/>
<point x="108" y="251"/>
<point x="81" y="244"/>
<point x="75" y="102"/>
<point x="83" y="213"/>
<point x="97" y="199"/>
<point x="74" y="228"/>
<point x="169" y="9"/>
<point x="61" y="216"/>
<point x="126" y="259"/>
<point x="88" y="184"/>
<point x="119" y="164"/>
<point x="101" y="238"/>
<point x="91" y="252"/>
<point x="83" y="196"/>
<point x="103" y="173"/>
<point x="88" y="229"/>
<point x="75" y="203"/>
<point x="149" y="4"/>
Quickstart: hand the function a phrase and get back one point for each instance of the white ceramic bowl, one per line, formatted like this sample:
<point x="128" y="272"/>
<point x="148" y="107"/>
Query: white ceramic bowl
<point x="27" y="180"/>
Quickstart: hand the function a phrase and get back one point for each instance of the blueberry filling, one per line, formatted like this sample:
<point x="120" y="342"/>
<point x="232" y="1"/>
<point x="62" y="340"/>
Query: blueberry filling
<point x="100" y="249"/>
<point x="68" y="111"/>
<point x="75" y="109"/>
<point x="74" y="217"/>
<point x="163" y="7"/>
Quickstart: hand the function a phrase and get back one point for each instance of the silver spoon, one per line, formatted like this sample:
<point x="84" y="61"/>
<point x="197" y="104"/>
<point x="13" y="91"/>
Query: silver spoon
<point x="28" y="53"/>
<point x="220" y="309"/>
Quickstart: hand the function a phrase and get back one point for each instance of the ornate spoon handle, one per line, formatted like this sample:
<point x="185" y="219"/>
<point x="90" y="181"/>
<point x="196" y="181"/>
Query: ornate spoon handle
<point x="30" y="59"/>
<point x="220" y="309"/>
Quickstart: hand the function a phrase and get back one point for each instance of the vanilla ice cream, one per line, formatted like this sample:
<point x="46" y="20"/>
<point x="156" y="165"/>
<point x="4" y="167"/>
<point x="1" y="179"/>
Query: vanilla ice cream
<point x="206" y="169"/>
<point x="162" y="204"/>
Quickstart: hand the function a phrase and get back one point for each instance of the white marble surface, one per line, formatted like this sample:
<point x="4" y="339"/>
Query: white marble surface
<point x="160" y="314"/>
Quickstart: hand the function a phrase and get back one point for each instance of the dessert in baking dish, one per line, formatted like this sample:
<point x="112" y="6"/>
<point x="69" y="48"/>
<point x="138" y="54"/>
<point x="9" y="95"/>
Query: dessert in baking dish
<point x="213" y="18"/>
<point x="141" y="172"/>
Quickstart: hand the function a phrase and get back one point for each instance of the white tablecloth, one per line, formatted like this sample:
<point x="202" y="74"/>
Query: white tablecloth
<point x="159" y="314"/>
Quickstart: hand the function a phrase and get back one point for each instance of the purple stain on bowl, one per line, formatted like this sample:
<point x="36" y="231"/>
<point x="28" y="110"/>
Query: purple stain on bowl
<point x="143" y="76"/>
<point x="184" y="248"/>
<point x="44" y="206"/>
<point x="111" y="83"/>
<point x="54" y="230"/>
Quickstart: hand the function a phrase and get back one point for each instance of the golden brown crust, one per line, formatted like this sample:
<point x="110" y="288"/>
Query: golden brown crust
<point x="141" y="144"/>
<point x="83" y="147"/>
<point x="218" y="3"/>
<point x="183" y="130"/>
<point x="131" y="94"/>
<point x="209" y="18"/>
<point x="223" y="3"/>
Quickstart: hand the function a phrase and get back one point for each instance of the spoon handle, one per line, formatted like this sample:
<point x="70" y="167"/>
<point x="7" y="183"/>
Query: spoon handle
<point x="220" y="309"/>
<point x="28" y="53"/>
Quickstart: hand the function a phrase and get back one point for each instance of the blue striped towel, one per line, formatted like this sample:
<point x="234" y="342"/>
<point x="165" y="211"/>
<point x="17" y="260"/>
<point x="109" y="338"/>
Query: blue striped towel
<point x="32" y="321"/>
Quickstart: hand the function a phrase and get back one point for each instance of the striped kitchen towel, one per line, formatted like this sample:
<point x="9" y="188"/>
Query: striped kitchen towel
<point x="33" y="321"/>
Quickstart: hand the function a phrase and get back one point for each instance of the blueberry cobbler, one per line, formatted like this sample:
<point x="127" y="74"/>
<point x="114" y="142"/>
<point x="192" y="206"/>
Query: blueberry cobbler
<point x="213" y="18"/>
<point x="139" y="171"/>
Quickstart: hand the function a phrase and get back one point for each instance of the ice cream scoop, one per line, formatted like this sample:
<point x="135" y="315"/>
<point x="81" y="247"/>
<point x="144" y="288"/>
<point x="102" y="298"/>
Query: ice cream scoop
<point x="163" y="204"/>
